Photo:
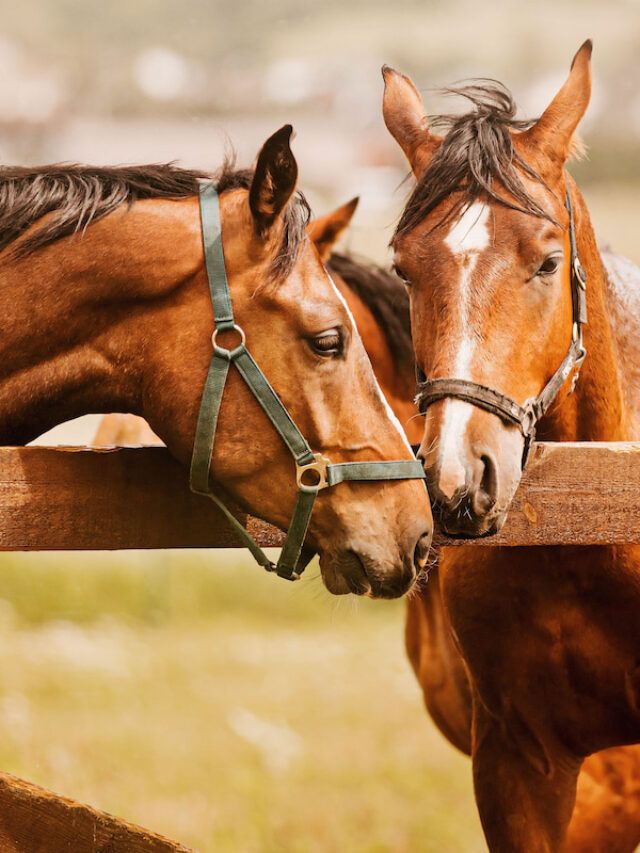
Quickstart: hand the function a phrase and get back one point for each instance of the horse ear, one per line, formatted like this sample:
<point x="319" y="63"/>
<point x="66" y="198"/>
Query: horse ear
<point x="274" y="179"/>
<point x="551" y="136"/>
<point x="326" y="230"/>
<point x="406" y="119"/>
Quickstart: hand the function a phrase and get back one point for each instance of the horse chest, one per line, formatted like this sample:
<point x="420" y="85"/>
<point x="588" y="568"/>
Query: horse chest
<point x="550" y="630"/>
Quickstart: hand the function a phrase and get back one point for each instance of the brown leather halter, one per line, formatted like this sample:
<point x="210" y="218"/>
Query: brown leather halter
<point x="525" y="417"/>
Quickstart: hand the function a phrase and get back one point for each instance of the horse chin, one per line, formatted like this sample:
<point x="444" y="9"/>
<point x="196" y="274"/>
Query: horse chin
<point x="344" y="573"/>
<point x="347" y="572"/>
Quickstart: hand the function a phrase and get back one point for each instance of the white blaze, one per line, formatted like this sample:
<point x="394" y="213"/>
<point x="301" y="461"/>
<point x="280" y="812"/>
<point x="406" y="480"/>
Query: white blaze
<point x="467" y="238"/>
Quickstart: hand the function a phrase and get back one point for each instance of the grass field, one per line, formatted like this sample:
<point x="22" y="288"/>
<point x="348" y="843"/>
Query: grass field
<point x="192" y="694"/>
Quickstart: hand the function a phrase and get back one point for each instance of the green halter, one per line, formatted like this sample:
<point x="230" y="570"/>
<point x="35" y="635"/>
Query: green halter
<point x="294" y="556"/>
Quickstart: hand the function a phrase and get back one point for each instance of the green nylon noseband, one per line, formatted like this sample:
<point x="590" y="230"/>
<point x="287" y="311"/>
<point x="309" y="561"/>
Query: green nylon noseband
<point x="294" y="556"/>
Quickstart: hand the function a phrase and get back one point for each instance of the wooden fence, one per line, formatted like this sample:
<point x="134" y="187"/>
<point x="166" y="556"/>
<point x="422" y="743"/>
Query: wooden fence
<point x="85" y="499"/>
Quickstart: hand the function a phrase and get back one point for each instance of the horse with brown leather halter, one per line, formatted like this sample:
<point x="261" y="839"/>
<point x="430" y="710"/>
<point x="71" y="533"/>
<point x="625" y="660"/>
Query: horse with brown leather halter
<point x="606" y="816"/>
<point x="106" y="304"/>
<point x="530" y="661"/>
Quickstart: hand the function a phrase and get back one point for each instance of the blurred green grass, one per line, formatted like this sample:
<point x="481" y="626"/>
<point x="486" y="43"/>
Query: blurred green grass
<point x="191" y="693"/>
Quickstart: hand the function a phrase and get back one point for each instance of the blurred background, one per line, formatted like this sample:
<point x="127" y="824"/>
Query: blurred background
<point x="185" y="691"/>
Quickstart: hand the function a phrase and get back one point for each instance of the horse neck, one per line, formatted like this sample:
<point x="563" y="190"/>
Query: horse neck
<point x="80" y="319"/>
<point x="596" y="411"/>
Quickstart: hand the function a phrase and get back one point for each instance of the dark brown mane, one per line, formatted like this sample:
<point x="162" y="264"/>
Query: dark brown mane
<point x="77" y="195"/>
<point x="476" y="153"/>
<point x="384" y="294"/>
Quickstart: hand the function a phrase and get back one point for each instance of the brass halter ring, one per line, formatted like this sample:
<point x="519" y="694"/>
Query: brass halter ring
<point x="229" y="354"/>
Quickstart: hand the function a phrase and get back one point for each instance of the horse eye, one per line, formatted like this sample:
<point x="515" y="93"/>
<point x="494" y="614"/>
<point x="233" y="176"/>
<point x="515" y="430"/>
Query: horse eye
<point x="550" y="265"/>
<point x="403" y="278"/>
<point x="327" y="343"/>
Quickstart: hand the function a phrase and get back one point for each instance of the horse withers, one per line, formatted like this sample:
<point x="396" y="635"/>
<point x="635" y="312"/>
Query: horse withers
<point x="106" y="307"/>
<point x="530" y="660"/>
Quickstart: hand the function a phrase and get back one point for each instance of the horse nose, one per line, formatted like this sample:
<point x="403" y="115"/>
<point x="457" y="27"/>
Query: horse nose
<point x="463" y="507"/>
<point x="414" y="553"/>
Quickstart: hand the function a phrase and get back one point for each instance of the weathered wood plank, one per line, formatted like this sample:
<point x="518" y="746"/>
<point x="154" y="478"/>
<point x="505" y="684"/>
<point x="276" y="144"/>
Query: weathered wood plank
<point x="84" y="499"/>
<point x="34" y="820"/>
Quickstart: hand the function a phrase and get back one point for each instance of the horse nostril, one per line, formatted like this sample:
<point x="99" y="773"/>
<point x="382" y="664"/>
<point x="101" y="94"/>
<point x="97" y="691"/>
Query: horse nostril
<point x="486" y="494"/>
<point x="421" y="552"/>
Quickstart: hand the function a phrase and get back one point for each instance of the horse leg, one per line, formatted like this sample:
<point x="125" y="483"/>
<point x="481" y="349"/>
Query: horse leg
<point x="525" y="790"/>
<point x="606" y="818"/>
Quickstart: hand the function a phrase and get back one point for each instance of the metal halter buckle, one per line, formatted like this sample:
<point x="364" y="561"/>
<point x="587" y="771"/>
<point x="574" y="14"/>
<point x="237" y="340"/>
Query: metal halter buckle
<point x="530" y="417"/>
<point x="272" y="567"/>
<point x="318" y="467"/>
<point x="579" y="272"/>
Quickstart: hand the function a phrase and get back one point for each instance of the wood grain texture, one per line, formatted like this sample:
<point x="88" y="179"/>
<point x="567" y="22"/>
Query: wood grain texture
<point x="34" y="820"/>
<point x="83" y="499"/>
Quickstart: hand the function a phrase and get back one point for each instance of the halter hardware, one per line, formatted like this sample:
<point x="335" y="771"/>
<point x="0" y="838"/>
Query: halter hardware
<point x="319" y="467"/>
<point x="295" y="555"/>
<point x="524" y="417"/>
<point x="233" y="328"/>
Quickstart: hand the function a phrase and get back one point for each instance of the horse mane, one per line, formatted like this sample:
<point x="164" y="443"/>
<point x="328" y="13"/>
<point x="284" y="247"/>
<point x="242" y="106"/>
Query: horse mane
<point x="76" y="196"/>
<point x="477" y="152"/>
<point x="385" y="296"/>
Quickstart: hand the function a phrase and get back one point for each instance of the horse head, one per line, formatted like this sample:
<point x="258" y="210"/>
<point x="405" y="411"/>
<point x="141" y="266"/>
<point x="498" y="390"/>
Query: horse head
<point x="484" y="245"/>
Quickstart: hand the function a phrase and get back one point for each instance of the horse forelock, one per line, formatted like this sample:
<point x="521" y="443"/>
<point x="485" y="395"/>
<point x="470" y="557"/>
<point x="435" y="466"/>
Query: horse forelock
<point x="477" y="158"/>
<point x="74" y="196"/>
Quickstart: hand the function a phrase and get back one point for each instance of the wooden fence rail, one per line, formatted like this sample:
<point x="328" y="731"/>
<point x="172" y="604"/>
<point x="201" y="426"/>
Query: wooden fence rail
<point x="84" y="499"/>
<point x="34" y="820"/>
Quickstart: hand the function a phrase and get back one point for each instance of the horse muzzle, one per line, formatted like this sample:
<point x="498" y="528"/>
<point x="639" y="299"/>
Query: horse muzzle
<point x="364" y="569"/>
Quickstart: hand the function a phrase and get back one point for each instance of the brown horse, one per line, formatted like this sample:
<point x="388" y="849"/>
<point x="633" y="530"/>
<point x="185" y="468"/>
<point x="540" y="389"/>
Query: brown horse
<point x="607" y="811"/>
<point x="105" y="306"/>
<point x="606" y="817"/>
<point x="531" y="660"/>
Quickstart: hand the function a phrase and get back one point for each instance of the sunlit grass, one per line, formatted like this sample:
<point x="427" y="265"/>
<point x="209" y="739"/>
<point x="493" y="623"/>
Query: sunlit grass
<point x="222" y="707"/>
